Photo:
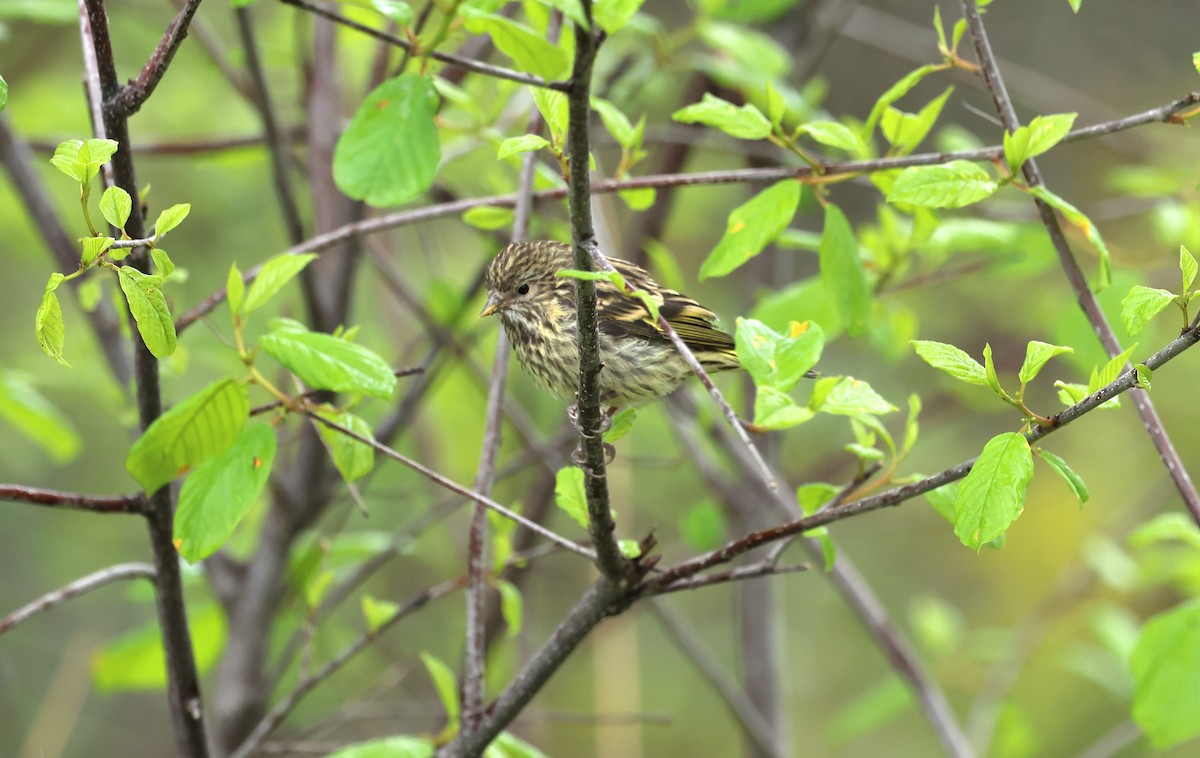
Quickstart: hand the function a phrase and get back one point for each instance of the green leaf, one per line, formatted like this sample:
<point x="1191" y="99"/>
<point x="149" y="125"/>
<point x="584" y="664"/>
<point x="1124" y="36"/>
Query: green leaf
<point x="489" y="217"/>
<point x="530" y="50"/>
<point x="171" y="218"/>
<point x="992" y="496"/>
<point x="1167" y="527"/>
<point x="446" y="685"/>
<point x="82" y="159"/>
<point x="622" y="424"/>
<point x="885" y="702"/>
<point x="388" y="747"/>
<point x="746" y="122"/>
<point x="777" y="360"/>
<point x="569" y="495"/>
<point x="48" y="324"/>
<point x="833" y="134"/>
<point x="389" y="153"/>
<point x="842" y="271"/>
<point x="1079" y="219"/>
<point x="894" y="93"/>
<point x="352" y="458"/>
<point x="812" y="497"/>
<point x="1144" y="375"/>
<point x="911" y="426"/>
<point x="553" y="106"/>
<point x="325" y="362"/>
<point x="397" y="11"/>
<point x="92" y="248"/>
<point x="377" y="612"/>
<point x="1073" y="480"/>
<point x="639" y="199"/>
<point x="1166" y="667"/>
<point x="1036" y="355"/>
<point x="989" y="371"/>
<point x="135" y="660"/>
<point x="275" y="273"/>
<point x="1108" y="373"/>
<point x="149" y="308"/>
<point x="752" y="226"/>
<point x="1030" y="141"/>
<point x="953" y="361"/>
<point x="904" y="131"/>
<point x="949" y="185"/>
<point x="526" y="143"/>
<point x="115" y="206"/>
<point x="852" y="397"/>
<point x="25" y="409"/>
<point x="775" y="409"/>
<point x="3" y="93"/>
<point x="616" y="122"/>
<point x="1188" y="267"/>
<point x="611" y="15"/>
<point x="235" y="290"/>
<point x="1143" y="304"/>
<point x="511" y="606"/>
<point x="508" y="746"/>
<point x="220" y="492"/>
<point x="162" y="262"/>
<point x="198" y="428"/>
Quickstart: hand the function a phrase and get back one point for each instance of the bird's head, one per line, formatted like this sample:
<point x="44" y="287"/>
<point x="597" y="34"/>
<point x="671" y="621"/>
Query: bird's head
<point x="521" y="278"/>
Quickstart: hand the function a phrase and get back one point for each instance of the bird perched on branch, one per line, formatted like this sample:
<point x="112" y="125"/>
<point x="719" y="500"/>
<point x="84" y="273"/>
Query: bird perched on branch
<point x="639" y="362"/>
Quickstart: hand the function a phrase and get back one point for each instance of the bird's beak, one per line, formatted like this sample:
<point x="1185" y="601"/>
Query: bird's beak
<point x="491" y="306"/>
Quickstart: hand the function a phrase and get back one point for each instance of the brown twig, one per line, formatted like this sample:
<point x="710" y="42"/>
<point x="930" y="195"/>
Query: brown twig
<point x="94" y="503"/>
<point x="76" y="588"/>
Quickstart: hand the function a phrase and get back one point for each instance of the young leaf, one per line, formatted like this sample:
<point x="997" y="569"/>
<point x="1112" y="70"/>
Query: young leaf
<point x="622" y="423"/>
<point x="352" y="458"/>
<point x="235" y="290"/>
<point x="953" y="361"/>
<point x="195" y="430"/>
<point x="526" y="143"/>
<point x="149" y="309"/>
<point x="992" y="496"/>
<point x="1073" y="480"/>
<point x="162" y="262"/>
<point x="115" y="206"/>
<point x="3" y="93"/>
<point x="530" y="50"/>
<point x="894" y="93"/>
<point x="842" y="271"/>
<point x="28" y="411"/>
<point x="171" y="218"/>
<point x="1030" y="141"/>
<point x="552" y="104"/>
<point x="778" y="360"/>
<point x="746" y="122"/>
<point x="82" y="159"/>
<point x="1036" y="355"/>
<point x="489" y="217"/>
<point x="219" y="493"/>
<point x="325" y="362"/>
<point x="48" y="324"/>
<point x="446" y="685"/>
<point x="275" y="273"/>
<point x="950" y="185"/>
<point x="1143" y="304"/>
<point x="775" y="409"/>
<point x="1108" y="373"/>
<point x="616" y="122"/>
<point x="389" y="153"/>
<point x="569" y="495"/>
<point x="1079" y="219"/>
<point x="853" y="397"/>
<point x="833" y="134"/>
<point x="402" y="746"/>
<point x="377" y="612"/>
<point x="135" y="661"/>
<point x="92" y="248"/>
<point x="904" y="131"/>
<point x="511" y="606"/>
<point x="1166" y="666"/>
<point x="611" y="15"/>
<point x="1188" y="267"/>
<point x="989" y="371"/>
<point x="752" y="226"/>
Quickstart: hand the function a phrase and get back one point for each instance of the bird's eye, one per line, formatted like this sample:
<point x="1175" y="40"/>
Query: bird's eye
<point x="523" y="289"/>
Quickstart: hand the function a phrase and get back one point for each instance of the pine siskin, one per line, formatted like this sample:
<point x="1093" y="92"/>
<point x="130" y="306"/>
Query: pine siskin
<point x="638" y="360"/>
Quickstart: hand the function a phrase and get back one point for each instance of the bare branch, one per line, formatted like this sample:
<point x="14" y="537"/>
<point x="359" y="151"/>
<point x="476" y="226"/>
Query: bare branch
<point x="133" y="95"/>
<point x="54" y="499"/>
<point x="80" y="586"/>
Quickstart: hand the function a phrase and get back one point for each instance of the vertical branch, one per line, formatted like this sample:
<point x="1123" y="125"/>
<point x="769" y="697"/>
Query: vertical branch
<point x="183" y="683"/>
<point x="1066" y="258"/>
<point x="600" y="522"/>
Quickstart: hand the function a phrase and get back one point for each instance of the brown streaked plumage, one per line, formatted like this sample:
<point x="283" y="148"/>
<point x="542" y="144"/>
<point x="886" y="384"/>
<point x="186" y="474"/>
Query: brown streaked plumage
<point x="639" y="362"/>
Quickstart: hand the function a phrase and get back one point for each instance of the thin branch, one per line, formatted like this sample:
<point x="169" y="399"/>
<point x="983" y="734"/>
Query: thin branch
<point x="748" y="717"/>
<point x="757" y="570"/>
<point x="133" y="95"/>
<point x="268" y="407"/>
<point x="1083" y="294"/>
<point x="281" y="710"/>
<point x="456" y="487"/>
<point x="901" y="494"/>
<point x="471" y="65"/>
<point x="322" y="242"/>
<point x="55" y="499"/>
<point x="76" y="588"/>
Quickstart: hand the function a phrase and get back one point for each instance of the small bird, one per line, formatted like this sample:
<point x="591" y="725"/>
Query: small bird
<point x="638" y="361"/>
